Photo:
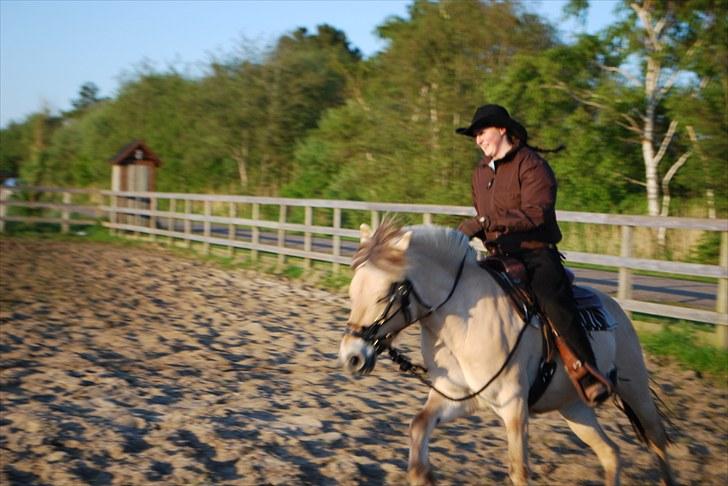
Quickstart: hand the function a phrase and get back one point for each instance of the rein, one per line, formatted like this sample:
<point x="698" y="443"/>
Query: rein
<point x="379" y="339"/>
<point x="420" y="372"/>
<point x="377" y="334"/>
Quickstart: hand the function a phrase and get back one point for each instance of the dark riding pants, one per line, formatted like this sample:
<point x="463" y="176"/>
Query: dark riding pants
<point x="552" y="290"/>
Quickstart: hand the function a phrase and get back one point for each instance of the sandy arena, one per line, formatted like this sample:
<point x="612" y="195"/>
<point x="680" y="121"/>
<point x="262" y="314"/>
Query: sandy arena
<point x="130" y="366"/>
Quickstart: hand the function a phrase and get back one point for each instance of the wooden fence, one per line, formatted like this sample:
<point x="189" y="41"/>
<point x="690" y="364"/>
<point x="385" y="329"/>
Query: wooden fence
<point x="217" y="220"/>
<point x="50" y="205"/>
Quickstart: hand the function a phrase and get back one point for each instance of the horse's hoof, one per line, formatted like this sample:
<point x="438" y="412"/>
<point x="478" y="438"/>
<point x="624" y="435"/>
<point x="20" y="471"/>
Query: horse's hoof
<point x="420" y="476"/>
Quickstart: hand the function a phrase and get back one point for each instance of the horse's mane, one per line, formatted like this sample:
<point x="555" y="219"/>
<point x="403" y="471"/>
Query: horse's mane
<point x="447" y="243"/>
<point x="377" y="249"/>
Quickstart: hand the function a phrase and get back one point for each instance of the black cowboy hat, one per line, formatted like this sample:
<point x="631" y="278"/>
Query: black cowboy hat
<point x="494" y="116"/>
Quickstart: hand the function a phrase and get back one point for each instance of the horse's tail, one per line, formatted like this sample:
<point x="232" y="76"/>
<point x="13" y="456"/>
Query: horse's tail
<point x="662" y="410"/>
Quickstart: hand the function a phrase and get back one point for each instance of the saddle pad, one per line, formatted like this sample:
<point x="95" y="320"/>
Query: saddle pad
<point x="592" y="314"/>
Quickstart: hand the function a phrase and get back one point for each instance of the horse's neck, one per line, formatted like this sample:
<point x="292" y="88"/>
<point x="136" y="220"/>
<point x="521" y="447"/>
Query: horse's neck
<point x="476" y="307"/>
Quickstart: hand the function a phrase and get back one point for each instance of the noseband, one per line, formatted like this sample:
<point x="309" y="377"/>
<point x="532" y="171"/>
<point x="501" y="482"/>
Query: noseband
<point x="381" y="330"/>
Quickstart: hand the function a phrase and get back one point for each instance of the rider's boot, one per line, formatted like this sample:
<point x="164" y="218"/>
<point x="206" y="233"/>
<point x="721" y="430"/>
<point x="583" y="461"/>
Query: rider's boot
<point x="592" y="386"/>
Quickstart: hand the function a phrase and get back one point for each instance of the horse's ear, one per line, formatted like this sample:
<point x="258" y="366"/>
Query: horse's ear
<point x="365" y="233"/>
<point x="403" y="243"/>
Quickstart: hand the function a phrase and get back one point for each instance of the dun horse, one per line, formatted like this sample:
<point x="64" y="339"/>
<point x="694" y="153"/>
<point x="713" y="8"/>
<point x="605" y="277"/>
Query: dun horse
<point x="473" y="342"/>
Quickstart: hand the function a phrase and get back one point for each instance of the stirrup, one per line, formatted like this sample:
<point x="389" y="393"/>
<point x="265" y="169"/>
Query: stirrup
<point x="592" y="393"/>
<point x="596" y="390"/>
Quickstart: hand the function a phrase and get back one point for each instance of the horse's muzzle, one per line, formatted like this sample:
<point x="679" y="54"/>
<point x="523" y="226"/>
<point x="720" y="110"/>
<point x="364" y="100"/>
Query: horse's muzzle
<point x="357" y="356"/>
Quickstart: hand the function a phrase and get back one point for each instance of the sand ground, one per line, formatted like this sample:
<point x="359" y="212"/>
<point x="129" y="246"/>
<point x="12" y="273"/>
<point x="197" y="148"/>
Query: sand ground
<point x="130" y="366"/>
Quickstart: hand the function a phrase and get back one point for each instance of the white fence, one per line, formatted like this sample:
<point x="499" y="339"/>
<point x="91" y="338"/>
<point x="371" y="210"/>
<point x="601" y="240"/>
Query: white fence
<point x="203" y="217"/>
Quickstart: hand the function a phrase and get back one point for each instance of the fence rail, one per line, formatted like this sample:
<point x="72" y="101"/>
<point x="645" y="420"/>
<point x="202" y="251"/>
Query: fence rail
<point x="139" y="212"/>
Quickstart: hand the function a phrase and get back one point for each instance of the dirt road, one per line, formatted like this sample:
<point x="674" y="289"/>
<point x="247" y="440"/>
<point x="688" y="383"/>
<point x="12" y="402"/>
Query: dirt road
<point x="126" y="366"/>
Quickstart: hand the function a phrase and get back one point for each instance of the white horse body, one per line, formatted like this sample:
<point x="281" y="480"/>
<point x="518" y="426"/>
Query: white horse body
<point x="466" y="341"/>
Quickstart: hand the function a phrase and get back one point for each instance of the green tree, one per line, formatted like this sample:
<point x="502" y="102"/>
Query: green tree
<point x="394" y="139"/>
<point x="88" y="95"/>
<point x="653" y="47"/>
<point x="13" y="149"/>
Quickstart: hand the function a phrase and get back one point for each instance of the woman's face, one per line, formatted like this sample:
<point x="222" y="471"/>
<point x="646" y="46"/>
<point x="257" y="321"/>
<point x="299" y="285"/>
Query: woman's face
<point x="492" y="141"/>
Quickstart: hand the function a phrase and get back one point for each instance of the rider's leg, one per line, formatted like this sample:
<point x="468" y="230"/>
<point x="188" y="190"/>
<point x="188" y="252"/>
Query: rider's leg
<point x="552" y="289"/>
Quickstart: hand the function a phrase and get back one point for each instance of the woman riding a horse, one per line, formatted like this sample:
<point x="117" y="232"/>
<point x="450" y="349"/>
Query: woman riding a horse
<point x="514" y="194"/>
<point x="478" y="351"/>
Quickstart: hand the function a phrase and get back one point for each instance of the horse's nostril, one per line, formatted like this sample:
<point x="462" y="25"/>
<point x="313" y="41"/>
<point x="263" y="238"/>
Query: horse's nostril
<point x="354" y="363"/>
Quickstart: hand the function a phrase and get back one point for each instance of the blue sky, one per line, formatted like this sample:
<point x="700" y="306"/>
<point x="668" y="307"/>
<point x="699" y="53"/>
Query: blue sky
<point x="48" y="49"/>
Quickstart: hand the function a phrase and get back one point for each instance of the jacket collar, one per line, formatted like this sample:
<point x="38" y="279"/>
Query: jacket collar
<point x="507" y="158"/>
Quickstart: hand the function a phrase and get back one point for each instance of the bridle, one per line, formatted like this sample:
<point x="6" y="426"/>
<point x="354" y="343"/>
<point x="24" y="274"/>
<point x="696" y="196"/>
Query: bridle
<point x="379" y="333"/>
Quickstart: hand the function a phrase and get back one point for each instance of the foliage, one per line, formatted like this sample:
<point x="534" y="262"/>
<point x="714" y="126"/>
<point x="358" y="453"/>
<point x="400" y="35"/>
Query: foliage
<point x="308" y="117"/>
<point x="660" y="58"/>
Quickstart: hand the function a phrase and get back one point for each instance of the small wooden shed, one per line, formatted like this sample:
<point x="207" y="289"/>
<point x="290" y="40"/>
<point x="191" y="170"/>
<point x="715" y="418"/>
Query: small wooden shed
<point x="134" y="168"/>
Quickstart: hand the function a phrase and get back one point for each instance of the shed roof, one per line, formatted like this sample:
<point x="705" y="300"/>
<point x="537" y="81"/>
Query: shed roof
<point x="127" y="154"/>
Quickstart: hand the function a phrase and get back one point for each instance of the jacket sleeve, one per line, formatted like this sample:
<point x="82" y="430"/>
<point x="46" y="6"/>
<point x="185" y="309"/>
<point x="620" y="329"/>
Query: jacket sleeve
<point x="537" y="199"/>
<point x="472" y="227"/>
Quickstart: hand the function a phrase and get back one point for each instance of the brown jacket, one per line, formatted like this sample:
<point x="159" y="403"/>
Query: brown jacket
<point x="518" y="199"/>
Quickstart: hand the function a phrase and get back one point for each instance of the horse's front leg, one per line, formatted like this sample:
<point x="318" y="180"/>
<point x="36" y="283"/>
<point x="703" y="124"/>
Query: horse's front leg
<point x="437" y="410"/>
<point x="515" y="418"/>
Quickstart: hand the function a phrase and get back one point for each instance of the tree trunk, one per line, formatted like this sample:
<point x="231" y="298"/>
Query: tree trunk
<point x="648" y="139"/>
<point x="709" y="193"/>
<point x="240" y="155"/>
<point x="665" y="210"/>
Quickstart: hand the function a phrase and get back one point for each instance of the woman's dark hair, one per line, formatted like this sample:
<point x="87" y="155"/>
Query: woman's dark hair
<point x="516" y="139"/>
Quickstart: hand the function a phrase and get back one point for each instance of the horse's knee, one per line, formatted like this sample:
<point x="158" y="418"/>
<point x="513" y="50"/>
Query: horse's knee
<point x="517" y="431"/>
<point x="420" y="475"/>
<point x="419" y="425"/>
<point x="518" y="473"/>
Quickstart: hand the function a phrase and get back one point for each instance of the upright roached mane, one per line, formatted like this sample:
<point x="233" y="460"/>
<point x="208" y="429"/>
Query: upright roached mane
<point x="378" y="250"/>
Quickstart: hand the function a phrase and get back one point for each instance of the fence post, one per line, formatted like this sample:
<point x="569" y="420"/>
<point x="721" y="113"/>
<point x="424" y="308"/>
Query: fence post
<point x="153" y="217"/>
<point x="375" y="220"/>
<point x="427" y="218"/>
<point x="188" y="223"/>
<point x="624" y="291"/>
<point x="281" y="235"/>
<point x="231" y="229"/>
<point x="113" y="217"/>
<point x="206" y="227"/>
<point x="138" y="204"/>
<point x="255" y="231"/>
<point x="308" y="221"/>
<point x="721" y="331"/>
<point x="65" y="213"/>
<point x="4" y="198"/>
<point x="337" y="238"/>
<point x="171" y="223"/>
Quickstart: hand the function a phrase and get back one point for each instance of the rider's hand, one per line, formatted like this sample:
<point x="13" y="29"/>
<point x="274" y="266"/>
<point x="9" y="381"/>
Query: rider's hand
<point x="473" y="226"/>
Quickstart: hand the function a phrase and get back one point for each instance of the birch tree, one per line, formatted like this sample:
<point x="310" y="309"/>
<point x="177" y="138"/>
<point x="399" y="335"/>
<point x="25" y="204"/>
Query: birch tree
<point x="653" y="45"/>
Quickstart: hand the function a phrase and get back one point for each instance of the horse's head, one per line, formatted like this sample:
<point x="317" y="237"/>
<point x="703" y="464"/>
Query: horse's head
<point x="377" y="296"/>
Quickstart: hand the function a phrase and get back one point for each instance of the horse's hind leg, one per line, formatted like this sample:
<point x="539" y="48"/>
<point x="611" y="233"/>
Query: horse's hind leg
<point x="642" y="413"/>
<point x="584" y="424"/>
<point x="634" y="390"/>
<point x="437" y="410"/>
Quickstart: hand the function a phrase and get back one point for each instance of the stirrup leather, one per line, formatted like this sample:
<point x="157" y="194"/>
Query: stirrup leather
<point x="578" y="371"/>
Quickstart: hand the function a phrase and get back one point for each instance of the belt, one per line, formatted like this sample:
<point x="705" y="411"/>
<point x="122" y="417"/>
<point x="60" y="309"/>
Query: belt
<point x="536" y="245"/>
